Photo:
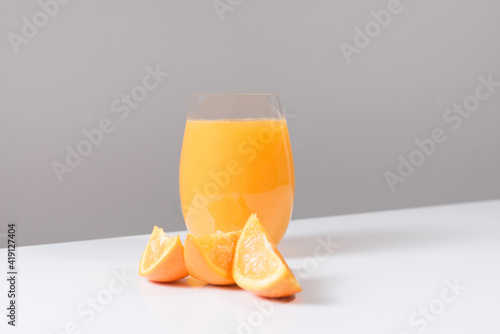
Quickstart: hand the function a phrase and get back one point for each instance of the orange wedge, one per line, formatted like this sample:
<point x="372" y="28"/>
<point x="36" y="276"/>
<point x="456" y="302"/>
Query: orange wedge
<point x="163" y="258"/>
<point x="258" y="265"/>
<point x="210" y="258"/>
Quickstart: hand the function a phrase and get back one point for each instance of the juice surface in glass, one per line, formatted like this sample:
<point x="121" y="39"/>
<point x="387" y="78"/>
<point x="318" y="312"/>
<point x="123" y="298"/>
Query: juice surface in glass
<point x="232" y="168"/>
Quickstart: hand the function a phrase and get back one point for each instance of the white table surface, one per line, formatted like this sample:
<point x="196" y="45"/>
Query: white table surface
<point x="384" y="268"/>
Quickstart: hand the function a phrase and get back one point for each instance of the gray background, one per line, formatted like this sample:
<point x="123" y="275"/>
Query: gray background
<point x="348" y="122"/>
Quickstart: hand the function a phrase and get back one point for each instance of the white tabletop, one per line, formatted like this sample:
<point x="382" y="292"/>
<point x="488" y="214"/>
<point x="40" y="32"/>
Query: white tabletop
<point x="383" y="272"/>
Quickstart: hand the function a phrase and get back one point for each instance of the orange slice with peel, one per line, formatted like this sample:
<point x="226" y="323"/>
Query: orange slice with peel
<point x="210" y="258"/>
<point x="163" y="258"/>
<point x="258" y="265"/>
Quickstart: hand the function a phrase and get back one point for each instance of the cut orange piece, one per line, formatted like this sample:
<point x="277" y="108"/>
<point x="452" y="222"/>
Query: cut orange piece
<point x="163" y="258"/>
<point x="210" y="258"/>
<point x="258" y="265"/>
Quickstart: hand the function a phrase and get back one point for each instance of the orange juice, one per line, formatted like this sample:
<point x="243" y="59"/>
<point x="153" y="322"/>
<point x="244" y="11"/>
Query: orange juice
<point x="232" y="168"/>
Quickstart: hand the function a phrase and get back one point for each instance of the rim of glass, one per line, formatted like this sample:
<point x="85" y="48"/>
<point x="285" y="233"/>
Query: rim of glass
<point x="234" y="106"/>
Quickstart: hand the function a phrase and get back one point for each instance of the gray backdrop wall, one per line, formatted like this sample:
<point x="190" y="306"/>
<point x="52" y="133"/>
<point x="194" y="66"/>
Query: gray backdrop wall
<point x="356" y="102"/>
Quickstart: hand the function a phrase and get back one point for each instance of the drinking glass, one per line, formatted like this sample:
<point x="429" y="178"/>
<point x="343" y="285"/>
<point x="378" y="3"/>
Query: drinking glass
<point x="236" y="160"/>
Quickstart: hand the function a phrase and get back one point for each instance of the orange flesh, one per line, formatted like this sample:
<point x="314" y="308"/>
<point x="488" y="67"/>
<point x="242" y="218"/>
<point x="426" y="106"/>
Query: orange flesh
<point x="258" y="265"/>
<point x="210" y="258"/>
<point x="163" y="258"/>
<point x="156" y="249"/>
<point x="219" y="249"/>
<point x="250" y="264"/>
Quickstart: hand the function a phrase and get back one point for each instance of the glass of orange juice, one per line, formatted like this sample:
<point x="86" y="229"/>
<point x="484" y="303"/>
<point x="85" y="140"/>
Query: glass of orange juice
<point x="236" y="160"/>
